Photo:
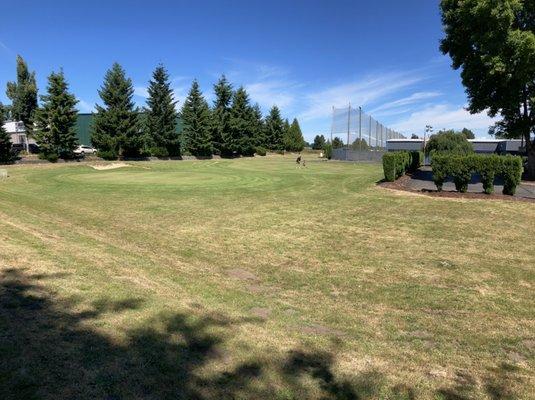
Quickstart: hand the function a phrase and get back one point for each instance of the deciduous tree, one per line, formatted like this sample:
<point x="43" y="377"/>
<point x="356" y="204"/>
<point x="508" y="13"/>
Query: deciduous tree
<point x="5" y="139"/>
<point x="493" y="43"/>
<point x="23" y="95"/>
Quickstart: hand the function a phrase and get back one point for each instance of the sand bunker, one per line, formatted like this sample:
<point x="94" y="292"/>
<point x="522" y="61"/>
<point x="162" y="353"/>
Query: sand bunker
<point x="104" y="167"/>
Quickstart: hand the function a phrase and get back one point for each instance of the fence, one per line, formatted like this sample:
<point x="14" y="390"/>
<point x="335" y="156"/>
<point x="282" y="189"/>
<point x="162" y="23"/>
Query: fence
<point x="360" y="134"/>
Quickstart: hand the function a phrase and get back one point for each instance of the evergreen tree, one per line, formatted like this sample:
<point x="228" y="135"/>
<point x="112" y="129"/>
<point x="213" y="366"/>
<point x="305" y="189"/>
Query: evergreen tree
<point x="241" y="124"/>
<point x="319" y="142"/>
<point x="337" y="143"/>
<point x="274" y="130"/>
<point x="259" y="129"/>
<point x="115" y="129"/>
<point x="23" y="95"/>
<point x="5" y="139"/>
<point x="197" y="123"/>
<point x="221" y="116"/>
<point x="161" y="133"/>
<point x="56" y="119"/>
<point x="293" y="139"/>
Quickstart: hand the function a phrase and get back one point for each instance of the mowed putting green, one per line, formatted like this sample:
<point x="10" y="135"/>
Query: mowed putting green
<point x="255" y="279"/>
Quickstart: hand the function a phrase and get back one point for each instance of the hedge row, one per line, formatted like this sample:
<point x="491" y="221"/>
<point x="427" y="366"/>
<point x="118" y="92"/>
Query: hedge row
<point x="396" y="163"/>
<point x="461" y="168"/>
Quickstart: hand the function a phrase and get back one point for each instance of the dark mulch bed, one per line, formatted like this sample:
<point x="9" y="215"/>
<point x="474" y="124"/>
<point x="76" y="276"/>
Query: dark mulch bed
<point x="405" y="184"/>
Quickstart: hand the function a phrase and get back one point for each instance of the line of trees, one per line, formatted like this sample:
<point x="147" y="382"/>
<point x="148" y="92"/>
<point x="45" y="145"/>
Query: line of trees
<point x="232" y="126"/>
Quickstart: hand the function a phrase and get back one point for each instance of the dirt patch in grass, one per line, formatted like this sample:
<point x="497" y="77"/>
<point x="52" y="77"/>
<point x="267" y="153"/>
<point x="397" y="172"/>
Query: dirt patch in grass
<point x="242" y="274"/>
<point x="317" y="329"/>
<point x="261" y="312"/>
<point x="105" y="167"/>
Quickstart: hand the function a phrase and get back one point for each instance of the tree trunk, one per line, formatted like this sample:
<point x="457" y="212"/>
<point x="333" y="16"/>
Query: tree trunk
<point x="530" y="172"/>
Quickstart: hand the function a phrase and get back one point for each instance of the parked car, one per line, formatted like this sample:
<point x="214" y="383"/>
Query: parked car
<point x="83" y="149"/>
<point x="17" y="148"/>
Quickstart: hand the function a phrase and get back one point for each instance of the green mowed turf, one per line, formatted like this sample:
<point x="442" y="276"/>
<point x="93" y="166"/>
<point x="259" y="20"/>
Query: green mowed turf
<point x="252" y="278"/>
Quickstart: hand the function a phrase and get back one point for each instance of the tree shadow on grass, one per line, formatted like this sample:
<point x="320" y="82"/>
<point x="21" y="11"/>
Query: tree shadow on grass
<point x="50" y="351"/>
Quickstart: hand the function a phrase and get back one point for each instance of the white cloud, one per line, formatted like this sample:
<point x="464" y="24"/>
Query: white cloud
<point x="269" y="93"/>
<point x="393" y="106"/>
<point x="141" y="91"/>
<point x="85" y="106"/>
<point x="442" y="116"/>
<point x="360" y="93"/>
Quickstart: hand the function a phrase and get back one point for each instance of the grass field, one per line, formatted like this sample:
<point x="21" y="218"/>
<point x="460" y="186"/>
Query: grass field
<point x="253" y="279"/>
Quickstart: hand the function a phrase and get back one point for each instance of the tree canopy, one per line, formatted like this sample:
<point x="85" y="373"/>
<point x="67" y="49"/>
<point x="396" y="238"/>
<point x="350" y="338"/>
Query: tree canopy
<point x="5" y="139"/>
<point x="493" y="43"/>
<point x="23" y="95"/>
<point x="293" y="138"/>
<point x="161" y="135"/>
<point x="319" y="142"/>
<point x="196" y="119"/>
<point x="116" y="129"/>
<point x="448" y="142"/>
<point x="56" y="119"/>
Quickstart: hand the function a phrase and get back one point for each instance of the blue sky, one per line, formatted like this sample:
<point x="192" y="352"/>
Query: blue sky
<point x="304" y="56"/>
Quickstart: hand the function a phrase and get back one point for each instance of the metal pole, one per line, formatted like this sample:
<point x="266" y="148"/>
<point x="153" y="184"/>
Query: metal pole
<point x="360" y="128"/>
<point x="332" y="127"/>
<point x="348" y="128"/>
<point x="370" y="132"/>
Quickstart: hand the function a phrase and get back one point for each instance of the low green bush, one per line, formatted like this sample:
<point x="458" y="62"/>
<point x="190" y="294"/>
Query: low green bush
<point x="396" y="163"/>
<point x="328" y="151"/>
<point x="160" y="152"/>
<point x="107" y="154"/>
<point x="261" y="151"/>
<point x="461" y="168"/>
<point x="462" y="173"/>
<point x="389" y="166"/>
<point x="52" y="157"/>
<point x="511" y="172"/>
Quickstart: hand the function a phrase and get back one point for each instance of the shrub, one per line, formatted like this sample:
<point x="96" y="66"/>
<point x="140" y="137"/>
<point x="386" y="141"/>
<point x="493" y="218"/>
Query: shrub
<point x="328" y="150"/>
<point x="449" y="142"/>
<point x="389" y="166"/>
<point x="160" y="152"/>
<point x="511" y="171"/>
<point x="461" y="167"/>
<point x="52" y="157"/>
<point x="462" y="171"/>
<point x="487" y="167"/>
<point x="107" y="154"/>
<point x="396" y="163"/>
<point x="261" y="151"/>
<point x="440" y="167"/>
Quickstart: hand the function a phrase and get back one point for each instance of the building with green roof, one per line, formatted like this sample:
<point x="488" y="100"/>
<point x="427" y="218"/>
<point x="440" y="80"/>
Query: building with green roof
<point x="83" y="127"/>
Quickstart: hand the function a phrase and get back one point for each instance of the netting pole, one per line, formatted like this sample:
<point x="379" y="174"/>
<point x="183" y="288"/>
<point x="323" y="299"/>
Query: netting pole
<point x="376" y="134"/>
<point x="370" y="132"/>
<point x="348" y="127"/>
<point x="332" y="127"/>
<point x="360" y="128"/>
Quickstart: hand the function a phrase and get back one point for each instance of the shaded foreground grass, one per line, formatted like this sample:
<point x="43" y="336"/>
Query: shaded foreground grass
<point x="253" y="279"/>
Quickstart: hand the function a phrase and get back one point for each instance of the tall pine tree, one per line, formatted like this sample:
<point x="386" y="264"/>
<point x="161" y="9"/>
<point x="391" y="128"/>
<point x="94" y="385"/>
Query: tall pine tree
<point x="241" y="124"/>
<point x="221" y="115"/>
<point x="5" y="139"/>
<point x="161" y="134"/>
<point x="259" y="129"/>
<point x="23" y="95"/>
<point x="56" y="119"/>
<point x="274" y="130"/>
<point x="293" y="139"/>
<point x="196" y="119"/>
<point x="115" y="129"/>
